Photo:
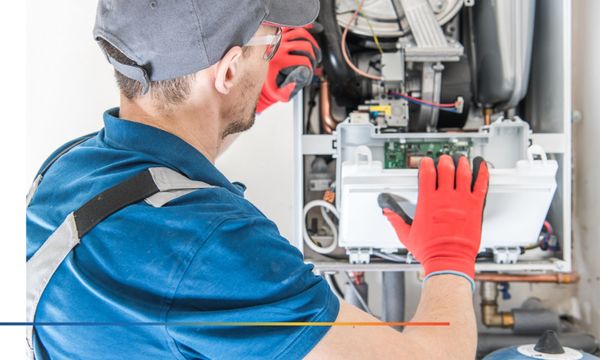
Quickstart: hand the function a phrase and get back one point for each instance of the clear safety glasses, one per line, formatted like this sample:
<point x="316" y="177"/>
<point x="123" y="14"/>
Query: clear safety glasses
<point x="272" y="42"/>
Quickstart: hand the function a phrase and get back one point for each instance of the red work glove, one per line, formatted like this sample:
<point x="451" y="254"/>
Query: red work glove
<point x="291" y="68"/>
<point x="446" y="232"/>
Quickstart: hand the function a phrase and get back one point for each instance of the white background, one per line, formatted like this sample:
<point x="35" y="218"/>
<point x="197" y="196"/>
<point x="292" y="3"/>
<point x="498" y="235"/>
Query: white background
<point x="70" y="85"/>
<point x="586" y="92"/>
<point x="49" y="48"/>
<point x="12" y="179"/>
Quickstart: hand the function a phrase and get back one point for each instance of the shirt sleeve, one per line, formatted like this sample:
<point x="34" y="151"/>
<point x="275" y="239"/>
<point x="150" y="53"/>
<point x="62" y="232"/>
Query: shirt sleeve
<point x="247" y="272"/>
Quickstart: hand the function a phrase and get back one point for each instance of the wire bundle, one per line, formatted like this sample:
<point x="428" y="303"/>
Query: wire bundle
<point x="455" y="107"/>
<point x="325" y="208"/>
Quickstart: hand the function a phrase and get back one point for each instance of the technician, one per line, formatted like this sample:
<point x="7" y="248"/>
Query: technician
<point x="135" y="241"/>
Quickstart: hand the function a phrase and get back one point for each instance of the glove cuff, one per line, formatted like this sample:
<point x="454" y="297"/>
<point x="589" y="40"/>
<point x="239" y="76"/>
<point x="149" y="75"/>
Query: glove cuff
<point x="451" y="272"/>
<point x="453" y="264"/>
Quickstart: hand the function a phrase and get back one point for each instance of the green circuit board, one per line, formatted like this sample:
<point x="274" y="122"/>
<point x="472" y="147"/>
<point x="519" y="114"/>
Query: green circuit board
<point x="406" y="155"/>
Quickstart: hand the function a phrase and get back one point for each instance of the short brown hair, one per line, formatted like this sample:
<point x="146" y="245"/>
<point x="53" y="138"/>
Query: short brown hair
<point x="166" y="92"/>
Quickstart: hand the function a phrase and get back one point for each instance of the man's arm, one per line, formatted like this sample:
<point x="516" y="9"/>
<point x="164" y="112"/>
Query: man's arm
<point x="444" y="236"/>
<point x="445" y="298"/>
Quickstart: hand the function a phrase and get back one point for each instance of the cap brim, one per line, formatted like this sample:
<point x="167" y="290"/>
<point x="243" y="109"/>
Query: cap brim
<point x="293" y="13"/>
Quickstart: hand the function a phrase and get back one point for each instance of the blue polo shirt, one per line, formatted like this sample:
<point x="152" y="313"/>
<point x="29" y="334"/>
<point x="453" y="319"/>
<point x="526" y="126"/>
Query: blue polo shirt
<point x="209" y="256"/>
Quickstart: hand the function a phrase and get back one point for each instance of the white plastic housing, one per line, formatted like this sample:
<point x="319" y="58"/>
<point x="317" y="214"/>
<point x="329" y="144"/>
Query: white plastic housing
<point x="517" y="203"/>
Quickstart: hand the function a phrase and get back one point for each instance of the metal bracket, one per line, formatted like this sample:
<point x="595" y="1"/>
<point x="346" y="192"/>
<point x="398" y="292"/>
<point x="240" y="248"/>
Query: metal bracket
<point x="393" y="66"/>
<point x="561" y="265"/>
<point x="318" y="145"/>
<point x="430" y="43"/>
<point x="506" y="255"/>
<point x="359" y="255"/>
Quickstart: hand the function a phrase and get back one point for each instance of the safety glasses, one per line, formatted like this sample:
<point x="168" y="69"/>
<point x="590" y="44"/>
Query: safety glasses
<point x="272" y="42"/>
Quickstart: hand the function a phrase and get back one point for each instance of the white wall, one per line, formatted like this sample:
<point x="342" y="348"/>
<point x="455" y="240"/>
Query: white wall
<point x="586" y="89"/>
<point x="69" y="81"/>
<point x="70" y="85"/>
<point x="263" y="159"/>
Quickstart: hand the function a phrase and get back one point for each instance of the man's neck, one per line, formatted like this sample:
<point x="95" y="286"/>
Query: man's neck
<point x="195" y="127"/>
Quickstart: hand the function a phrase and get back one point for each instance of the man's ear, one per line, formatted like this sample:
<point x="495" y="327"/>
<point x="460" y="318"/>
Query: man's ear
<point x="227" y="70"/>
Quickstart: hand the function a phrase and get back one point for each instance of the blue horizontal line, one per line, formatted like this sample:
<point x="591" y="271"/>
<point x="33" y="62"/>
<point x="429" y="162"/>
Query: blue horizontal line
<point x="220" y="324"/>
<point x="73" y="323"/>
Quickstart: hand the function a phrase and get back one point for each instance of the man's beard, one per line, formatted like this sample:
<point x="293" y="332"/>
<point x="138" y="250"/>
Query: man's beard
<point x="243" y="114"/>
<point x="238" y="126"/>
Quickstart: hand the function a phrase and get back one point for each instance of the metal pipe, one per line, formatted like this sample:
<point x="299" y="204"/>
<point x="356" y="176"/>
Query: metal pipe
<point x="437" y="94"/>
<point x="510" y="113"/>
<point x="487" y="116"/>
<point x="328" y="122"/>
<point x="394" y="294"/>
<point x="557" y="278"/>
<point x="490" y="316"/>
<point x="531" y="319"/>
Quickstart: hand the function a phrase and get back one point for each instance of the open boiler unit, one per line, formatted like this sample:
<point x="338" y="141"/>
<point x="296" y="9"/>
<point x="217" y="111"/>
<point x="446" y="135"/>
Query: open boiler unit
<point x="405" y="79"/>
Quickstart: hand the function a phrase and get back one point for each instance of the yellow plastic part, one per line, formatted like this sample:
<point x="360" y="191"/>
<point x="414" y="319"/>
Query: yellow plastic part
<point x="387" y="109"/>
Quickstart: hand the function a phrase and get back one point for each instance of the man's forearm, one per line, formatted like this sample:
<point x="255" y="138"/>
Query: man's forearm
<point x="446" y="298"/>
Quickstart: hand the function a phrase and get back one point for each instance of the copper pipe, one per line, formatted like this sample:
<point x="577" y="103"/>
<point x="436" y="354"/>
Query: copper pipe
<point x="328" y="122"/>
<point x="556" y="278"/>
<point x="490" y="316"/>
<point x="487" y="116"/>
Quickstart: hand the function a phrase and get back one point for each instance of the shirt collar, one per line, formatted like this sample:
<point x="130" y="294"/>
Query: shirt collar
<point x="165" y="147"/>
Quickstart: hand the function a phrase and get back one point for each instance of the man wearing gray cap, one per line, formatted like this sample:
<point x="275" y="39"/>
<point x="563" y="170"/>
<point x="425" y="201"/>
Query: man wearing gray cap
<point x="139" y="248"/>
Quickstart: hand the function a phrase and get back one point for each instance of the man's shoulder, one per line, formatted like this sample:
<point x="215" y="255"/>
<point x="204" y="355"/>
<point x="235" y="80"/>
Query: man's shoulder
<point x="215" y="200"/>
<point x="81" y="172"/>
<point x="202" y="211"/>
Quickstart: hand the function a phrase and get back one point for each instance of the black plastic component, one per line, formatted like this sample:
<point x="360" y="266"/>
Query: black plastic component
<point x="487" y="343"/>
<point x="549" y="344"/>
<point x="392" y="202"/>
<point x="334" y="284"/>
<point x="347" y="88"/>
<point x="361" y="43"/>
<point x="456" y="81"/>
<point x="476" y="167"/>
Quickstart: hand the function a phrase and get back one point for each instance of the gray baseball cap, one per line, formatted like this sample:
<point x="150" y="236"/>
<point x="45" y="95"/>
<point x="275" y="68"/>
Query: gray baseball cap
<point x="172" y="38"/>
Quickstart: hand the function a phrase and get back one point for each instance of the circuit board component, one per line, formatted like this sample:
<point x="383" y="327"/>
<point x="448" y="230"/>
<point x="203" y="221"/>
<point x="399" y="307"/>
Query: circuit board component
<point x="407" y="155"/>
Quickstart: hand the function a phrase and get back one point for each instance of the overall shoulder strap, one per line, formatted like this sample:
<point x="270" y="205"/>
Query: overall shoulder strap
<point x="157" y="186"/>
